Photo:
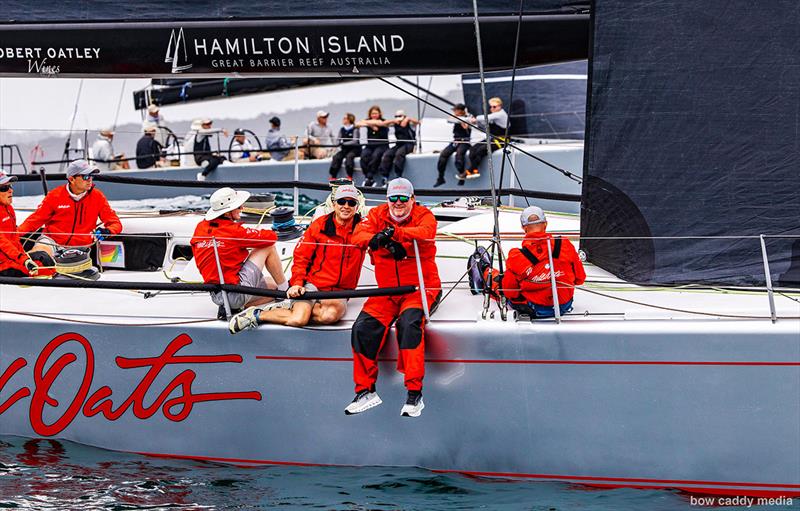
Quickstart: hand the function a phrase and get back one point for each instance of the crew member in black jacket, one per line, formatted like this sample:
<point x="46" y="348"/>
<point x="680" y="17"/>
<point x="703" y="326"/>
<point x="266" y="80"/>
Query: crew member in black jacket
<point x="148" y="150"/>
<point x="350" y="142"/>
<point x="459" y="145"/>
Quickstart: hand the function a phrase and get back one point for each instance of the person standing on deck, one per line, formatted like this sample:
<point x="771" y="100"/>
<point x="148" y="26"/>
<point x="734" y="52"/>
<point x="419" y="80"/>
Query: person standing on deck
<point x="325" y="259"/>
<point x="498" y="120"/>
<point x="377" y="143"/>
<point x="459" y="145"/>
<point x="243" y="252"/>
<point x="389" y="232"/>
<point x="527" y="280"/>
<point x="350" y="142"/>
<point x="395" y="157"/>
<point x="14" y="261"/>
<point x="70" y="213"/>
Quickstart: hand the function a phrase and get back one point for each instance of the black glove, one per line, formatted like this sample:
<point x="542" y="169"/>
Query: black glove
<point x="382" y="238"/>
<point x="397" y="250"/>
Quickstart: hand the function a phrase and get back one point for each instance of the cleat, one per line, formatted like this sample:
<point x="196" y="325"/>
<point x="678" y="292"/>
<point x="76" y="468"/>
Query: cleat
<point x="245" y="320"/>
<point x="200" y="176"/>
<point x="363" y="401"/>
<point x="414" y="405"/>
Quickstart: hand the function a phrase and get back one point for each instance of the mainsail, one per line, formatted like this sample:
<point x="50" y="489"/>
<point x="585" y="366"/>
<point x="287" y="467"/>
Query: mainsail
<point x="692" y="148"/>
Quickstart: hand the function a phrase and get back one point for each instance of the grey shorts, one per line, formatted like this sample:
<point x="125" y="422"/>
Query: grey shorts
<point x="249" y="275"/>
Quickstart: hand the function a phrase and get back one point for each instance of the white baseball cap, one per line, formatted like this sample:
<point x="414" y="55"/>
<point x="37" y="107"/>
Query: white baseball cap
<point x="225" y="200"/>
<point x="81" y="168"/>
<point x="400" y="113"/>
<point x="346" y="191"/>
<point x="322" y="113"/>
<point x="400" y="186"/>
<point x="5" y="178"/>
<point x="529" y="212"/>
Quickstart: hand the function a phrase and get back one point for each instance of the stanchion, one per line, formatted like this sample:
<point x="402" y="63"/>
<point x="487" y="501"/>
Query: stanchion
<point x="225" y="301"/>
<point x="421" y="284"/>
<point x="768" y="278"/>
<point x="556" y="305"/>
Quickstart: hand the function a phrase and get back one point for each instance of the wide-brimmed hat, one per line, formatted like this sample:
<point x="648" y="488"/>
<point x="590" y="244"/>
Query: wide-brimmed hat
<point x="225" y="200"/>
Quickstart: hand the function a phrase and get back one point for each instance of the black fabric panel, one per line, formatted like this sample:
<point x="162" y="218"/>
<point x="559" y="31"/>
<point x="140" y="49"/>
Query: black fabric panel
<point x="367" y="335"/>
<point x="694" y="115"/>
<point x="541" y="108"/>
<point x="108" y="10"/>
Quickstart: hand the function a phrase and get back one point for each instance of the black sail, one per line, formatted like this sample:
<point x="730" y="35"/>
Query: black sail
<point x="693" y="122"/>
<point x="204" y="39"/>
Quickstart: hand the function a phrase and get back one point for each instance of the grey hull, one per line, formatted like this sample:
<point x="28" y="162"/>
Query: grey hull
<point x="420" y="169"/>
<point x="708" y="406"/>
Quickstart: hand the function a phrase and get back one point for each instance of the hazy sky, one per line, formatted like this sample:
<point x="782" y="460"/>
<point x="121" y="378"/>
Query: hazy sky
<point x="48" y="103"/>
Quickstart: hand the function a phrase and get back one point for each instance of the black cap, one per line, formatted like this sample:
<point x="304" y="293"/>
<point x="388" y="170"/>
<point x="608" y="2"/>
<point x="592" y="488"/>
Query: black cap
<point x="459" y="106"/>
<point x="238" y="131"/>
<point x="276" y="121"/>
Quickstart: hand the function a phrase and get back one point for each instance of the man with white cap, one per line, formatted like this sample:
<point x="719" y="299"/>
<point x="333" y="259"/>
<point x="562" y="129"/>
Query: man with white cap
<point x="527" y="280"/>
<point x="102" y="152"/>
<point x="325" y="259"/>
<point x="390" y="232"/>
<point x="14" y="261"/>
<point x="154" y="118"/>
<point x="203" y="156"/>
<point x="319" y="133"/>
<point x="243" y="252"/>
<point x="148" y="150"/>
<point x="70" y="214"/>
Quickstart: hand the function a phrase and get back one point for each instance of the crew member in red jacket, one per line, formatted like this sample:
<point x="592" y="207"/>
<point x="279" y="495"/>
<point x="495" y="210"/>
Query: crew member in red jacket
<point x="390" y="231"/>
<point x="526" y="281"/>
<point x="325" y="259"/>
<point x="14" y="261"/>
<point x="240" y="265"/>
<point x="70" y="213"/>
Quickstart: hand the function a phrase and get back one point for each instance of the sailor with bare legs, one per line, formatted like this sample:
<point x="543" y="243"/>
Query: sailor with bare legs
<point x="243" y="253"/>
<point x="325" y="259"/>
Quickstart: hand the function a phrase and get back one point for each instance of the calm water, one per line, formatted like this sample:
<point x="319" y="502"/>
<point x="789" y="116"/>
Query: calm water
<point x="49" y="474"/>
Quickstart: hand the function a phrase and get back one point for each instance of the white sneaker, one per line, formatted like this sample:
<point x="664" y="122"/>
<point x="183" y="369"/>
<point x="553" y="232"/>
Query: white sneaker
<point x="363" y="401"/>
<point x="246" y="319"/>
<point x="414" y="405"/>
<point x="200" y="176"/>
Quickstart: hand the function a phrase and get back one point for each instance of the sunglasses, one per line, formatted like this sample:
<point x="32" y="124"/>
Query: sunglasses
<point x="5" y="188"/>
<point x="85" y="177"/>
<point x="401" y="198"/>
<point x="350" y="202"/>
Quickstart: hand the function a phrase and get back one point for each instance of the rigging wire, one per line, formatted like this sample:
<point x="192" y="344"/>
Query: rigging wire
<point x="566" y="173"/>
<point x="119" y="104"/>
<point x="496" y="214"/>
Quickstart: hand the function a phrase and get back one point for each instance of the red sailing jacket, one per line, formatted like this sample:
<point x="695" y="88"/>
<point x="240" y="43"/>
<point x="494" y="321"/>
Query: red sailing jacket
<point x="11" y="254"/>
<point x="69" y="222"/>
<point x="233" y="240"/>
<point x="326" y="257"/>
<point x="534" y="280"/>
<point x="421" y="226"/>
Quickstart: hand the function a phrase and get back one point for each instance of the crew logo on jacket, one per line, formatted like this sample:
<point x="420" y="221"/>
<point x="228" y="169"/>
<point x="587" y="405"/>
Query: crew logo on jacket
<point x="233" y="241"/>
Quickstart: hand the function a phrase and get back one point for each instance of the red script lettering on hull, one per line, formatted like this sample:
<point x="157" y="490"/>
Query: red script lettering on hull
<point x="100" y="401"/>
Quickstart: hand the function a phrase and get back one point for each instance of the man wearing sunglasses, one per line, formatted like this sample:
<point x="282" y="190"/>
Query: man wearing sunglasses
<point x="14" y="261"/>
<point x="389" y="232"/>
<point x="70" y="214"/>
<point x="325" y="259"/>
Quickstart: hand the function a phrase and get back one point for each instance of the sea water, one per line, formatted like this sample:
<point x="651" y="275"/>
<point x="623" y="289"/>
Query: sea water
<point x="45" y="474"/>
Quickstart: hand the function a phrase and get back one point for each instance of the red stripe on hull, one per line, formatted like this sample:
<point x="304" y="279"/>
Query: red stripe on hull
<point x="544" y="362"/>
<point x="703" y="487"/>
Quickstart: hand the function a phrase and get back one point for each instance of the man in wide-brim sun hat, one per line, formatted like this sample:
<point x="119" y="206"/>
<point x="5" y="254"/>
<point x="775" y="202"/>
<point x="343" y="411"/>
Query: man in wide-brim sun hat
<point x="244" y="252"/>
